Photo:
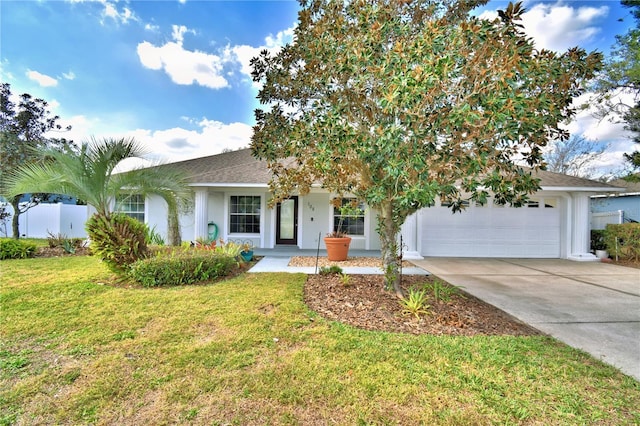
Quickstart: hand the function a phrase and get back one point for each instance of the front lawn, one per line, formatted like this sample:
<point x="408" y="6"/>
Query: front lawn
<point x="76" y="350"/>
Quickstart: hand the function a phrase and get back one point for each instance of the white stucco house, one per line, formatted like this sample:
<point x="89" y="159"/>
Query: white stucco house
<point x="231" y="202"/>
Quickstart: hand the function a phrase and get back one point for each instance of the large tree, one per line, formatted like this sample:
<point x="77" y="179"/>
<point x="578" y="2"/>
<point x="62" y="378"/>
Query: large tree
<point x="24" y="130"/>
<point x="618" y="86"/>
<point x="399" y="102"/>
<point x="90" y="174"/>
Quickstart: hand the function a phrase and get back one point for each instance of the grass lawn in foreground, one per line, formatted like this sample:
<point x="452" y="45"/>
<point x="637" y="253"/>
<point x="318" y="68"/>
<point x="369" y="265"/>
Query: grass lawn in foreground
<point x="248" y="351"/>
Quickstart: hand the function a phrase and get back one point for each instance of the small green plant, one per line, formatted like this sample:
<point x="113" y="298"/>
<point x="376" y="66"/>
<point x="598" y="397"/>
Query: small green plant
<point x="597" y="239"/>
<point x="153" y="237"/>
<point x="345" y="280"/>
<point x="55" y="240"/>
<point x="442" y="292"/>
<point x="229" y="248"/>
<point x="415" y="303"/>
<point x="68" y="246"/>
<point x="328" y="270"/>
<point x="16" y="249"/>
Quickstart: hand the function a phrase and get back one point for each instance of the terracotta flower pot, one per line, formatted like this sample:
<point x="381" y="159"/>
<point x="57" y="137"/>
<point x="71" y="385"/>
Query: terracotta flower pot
<point x="337" y="248"/>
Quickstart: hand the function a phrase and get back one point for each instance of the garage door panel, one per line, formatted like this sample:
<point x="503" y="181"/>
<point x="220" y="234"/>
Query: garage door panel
<point x="491" y="232"/>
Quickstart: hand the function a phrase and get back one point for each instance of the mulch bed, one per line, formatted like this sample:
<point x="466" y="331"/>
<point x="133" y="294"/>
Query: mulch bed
<point x="365" y="304"/>
<point x="59" y="252"/>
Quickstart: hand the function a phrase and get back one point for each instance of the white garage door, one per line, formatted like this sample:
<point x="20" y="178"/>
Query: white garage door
<point x="532" y="231"/>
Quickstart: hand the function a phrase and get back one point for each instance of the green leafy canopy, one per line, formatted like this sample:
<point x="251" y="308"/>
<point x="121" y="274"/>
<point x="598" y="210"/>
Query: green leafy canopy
<point x="402" y="102"/>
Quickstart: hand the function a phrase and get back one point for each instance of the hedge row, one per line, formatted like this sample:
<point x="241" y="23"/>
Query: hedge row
<point x="623" y="241"/>
<point x="181" y="268"/>
<point x="16" y="249"/>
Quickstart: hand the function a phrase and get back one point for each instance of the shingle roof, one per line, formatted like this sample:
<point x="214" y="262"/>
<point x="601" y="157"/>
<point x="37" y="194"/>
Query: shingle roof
<point x="632" y="187"/>
<point x="242" y="168"/>
<point x="226" y="168"/>
<point x="559" y="180"/>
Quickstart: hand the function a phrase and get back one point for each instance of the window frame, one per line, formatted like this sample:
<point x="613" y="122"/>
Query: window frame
<point x="256" y="215"/>
<point x="123" y="200"/>
<point x="335" y="215"/>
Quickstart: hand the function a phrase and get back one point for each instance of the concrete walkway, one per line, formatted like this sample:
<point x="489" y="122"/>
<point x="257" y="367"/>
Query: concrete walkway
<point x="591" y="306"/>
<point x="271" y="263"/>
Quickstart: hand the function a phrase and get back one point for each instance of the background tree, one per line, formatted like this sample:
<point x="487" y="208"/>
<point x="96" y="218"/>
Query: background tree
<point x="89" y="174"/>
<point x="403" y="102"/>
<point x="618" y="86"/>
<point x="575" y="156"/>
<point x="23" y="129"/>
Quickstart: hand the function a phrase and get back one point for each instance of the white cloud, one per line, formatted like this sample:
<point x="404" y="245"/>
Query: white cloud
<point x="179" y="32"/>
<point x="166" y="145"/>
<point x="69" y="75"/>
<point x="205" y="69"/>
<point x="559" y="26"/>
<point x="184" y="66"/>
<point x="42" y="79"/>
<point x="122" y="16"/>
<point x="177" y="144"/>
<point x="608" y="131"/>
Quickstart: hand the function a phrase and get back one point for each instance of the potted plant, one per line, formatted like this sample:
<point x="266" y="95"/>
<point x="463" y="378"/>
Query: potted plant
<point x="598" y="244"/>
<point x="337" y="241"/>
<point x="247" y="252"/>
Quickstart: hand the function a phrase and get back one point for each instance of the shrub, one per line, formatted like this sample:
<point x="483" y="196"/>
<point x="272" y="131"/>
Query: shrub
<point x="328" y="270"/>
<point x="16" y="249"/>
<point x="153" y="237"/>
<point x="60" y="240"/>
<point x="231" y="248"/>
<point x="416" y="303"/>
<point x="597" y="239"/>
<point x="118" y="240"/>
<point x="442" y="292"/>
<point x="181" y="267"/>
<point x="623" y="241"/>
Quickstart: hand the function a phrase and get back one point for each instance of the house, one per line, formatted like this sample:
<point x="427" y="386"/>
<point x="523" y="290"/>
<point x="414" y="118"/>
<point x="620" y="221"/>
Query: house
<point x="231" y="202"/>
<point x="616" y="207"/>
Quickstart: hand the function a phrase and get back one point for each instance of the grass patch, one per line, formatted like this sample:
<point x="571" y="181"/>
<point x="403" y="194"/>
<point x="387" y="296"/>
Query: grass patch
<point x="248" y="351"/>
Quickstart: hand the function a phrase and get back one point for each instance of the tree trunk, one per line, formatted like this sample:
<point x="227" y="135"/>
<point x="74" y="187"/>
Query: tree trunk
<point x="388" y="231"/>
<point x="174" y="228"/>
<point x="15" y="223"/>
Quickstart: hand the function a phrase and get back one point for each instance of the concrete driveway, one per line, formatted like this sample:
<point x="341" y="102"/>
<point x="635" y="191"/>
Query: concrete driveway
<point x="591" y="306"/>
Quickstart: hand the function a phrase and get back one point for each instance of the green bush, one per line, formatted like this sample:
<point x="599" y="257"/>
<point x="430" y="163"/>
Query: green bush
<point x="181" y="268"/>
<point x="60" y="240"/>
<point x="329" y="270"/>
<point x="118" y="240"/>
<point x="597" y="239"/>
<point x="16" y="249"/>
<point x="623" y="241"/>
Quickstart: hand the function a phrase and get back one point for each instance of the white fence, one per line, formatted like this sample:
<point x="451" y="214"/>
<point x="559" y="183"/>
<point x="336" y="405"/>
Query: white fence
<point x="39" y="221"/>
<point x="602" y="219"/>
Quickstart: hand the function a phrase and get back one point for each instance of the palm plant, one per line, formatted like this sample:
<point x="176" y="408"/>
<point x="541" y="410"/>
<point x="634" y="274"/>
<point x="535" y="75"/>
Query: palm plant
<point x="91" y="175"/>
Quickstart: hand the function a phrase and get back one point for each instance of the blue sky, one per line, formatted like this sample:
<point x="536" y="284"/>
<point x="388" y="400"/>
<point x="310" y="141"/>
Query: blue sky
<point x="175" y="74"/>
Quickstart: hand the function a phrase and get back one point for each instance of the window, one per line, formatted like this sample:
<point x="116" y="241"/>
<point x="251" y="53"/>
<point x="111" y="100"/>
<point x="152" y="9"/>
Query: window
<point x="550" y="203"/>
<point x="352" y="224"/>
<point x="244" y="214"/>
<point x="132" y="205"/>
<point x="533" y="203"/>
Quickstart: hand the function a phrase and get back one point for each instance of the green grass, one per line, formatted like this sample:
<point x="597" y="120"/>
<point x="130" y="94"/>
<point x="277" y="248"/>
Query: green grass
<point x="248" y="351"/>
